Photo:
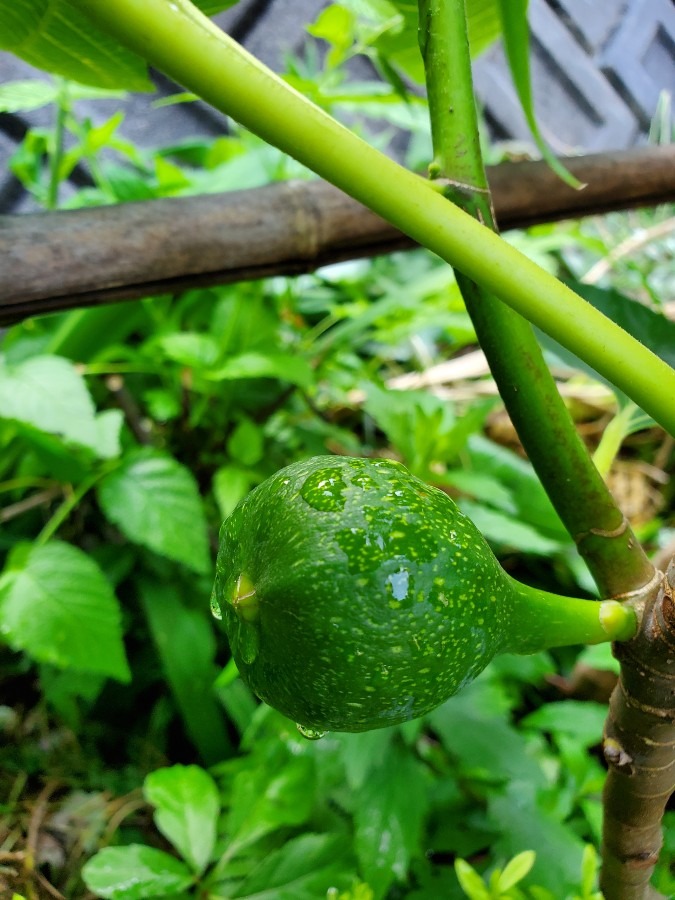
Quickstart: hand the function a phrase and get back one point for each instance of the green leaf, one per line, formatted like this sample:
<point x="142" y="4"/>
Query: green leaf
<point x="589" y="870"/>
<point x="155" y="502"/>
<point x="187" y="648"/>
<point x="470" y="881"/>
<point x="134" y="873"/>
<point x="49" y="394"/>
<point x="57" y="605"/>
<point x="230" y="485"/>
<point x="422" y="427"/>
<point x="246" y="443"/>
<point x="33" y="93"/>
<point x="52" y="35"/>
<point x="523" y="823"/>
<point x="388" y="819"/>
<point x="483" y="23"/>
<point x="303" y="869"/>
<point x="198" y="351"/>
<point x="187" y="805"/>
<point x="283" y="366"/>
<point x="599" y="657"/>
<point x="582" y="721"/>
<point x="361" y="752"/>
<point x="211" y="7"/>
<point x="263" y="801"/>
<point x="390" y="29"/>
<point x="484" y="744"/>
<point x="506" y="531"/>
<point x="23" y="96"/>
<point x="515" y="870"/>
<point x="517" y="45"/>
<point x="335" y="25"/>
<point x="533" y="506"/>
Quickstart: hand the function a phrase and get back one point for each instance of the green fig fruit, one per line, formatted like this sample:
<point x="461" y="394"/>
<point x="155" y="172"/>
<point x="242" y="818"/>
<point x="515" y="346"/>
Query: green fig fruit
<point x="355" y="596"/>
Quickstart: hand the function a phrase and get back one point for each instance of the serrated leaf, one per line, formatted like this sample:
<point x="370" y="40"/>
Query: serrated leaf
<point x="361" y="752"/>
<point x="187" y="805"/>
<point x="483" y="744"/>
<point x="56" y="604"/>
<point x="581" y="720"/>
<point x="48" y="394"/>
<point x="53" y="35"/>
<point x="154" y="501"/>
<point x="517" y="45"/>
<point x="135" y="872"/>
<point x="388" y="819"/>
<point x="303" y="869"/>
<point x="523" y="823"/>
<point x="263" y="801"/>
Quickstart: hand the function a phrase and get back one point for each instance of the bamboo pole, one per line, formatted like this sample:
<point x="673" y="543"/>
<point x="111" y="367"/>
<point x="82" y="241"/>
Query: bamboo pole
<point x="53" y="261"/>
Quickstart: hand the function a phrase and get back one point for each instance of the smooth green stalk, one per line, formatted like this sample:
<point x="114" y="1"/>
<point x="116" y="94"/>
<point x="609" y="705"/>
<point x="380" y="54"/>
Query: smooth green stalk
<point x="67" y="507"/>
<point x="553" y="445"/>
<point x="177" y="39"/>
<point x="452" y="110"/>
<point x="548" y="620"/>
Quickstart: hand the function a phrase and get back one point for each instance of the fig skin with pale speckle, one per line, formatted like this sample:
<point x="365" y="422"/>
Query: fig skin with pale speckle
<point x="355" y="596"/>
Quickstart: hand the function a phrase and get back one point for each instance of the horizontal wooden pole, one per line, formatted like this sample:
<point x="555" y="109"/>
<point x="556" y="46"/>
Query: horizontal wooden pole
<point x="54" y="261"/>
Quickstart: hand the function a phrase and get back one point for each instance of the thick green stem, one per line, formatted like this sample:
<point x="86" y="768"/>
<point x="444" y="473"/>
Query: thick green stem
<point x="549" y="620"/>
<point x="177" y="39"/>
<point x="560" y="458"/>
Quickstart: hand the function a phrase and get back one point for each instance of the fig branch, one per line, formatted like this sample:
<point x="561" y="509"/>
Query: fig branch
<point x="639" y="747"/>
<point x="180" y="41"/>
<point x="530" y="395"/>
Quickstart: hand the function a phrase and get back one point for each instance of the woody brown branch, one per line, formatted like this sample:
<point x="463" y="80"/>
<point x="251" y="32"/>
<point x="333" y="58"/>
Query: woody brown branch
<point x="53" y="261"/>
<point x="639" y="746"/>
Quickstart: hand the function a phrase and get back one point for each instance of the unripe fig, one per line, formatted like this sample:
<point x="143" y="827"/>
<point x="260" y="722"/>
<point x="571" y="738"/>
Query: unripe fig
<point x="355" y="596"/>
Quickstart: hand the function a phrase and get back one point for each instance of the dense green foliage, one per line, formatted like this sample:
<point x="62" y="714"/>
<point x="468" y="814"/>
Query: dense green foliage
<point x="128" y="433"/>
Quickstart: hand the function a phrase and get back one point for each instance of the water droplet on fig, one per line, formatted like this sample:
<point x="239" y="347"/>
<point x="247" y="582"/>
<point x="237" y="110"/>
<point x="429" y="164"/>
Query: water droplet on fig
<point x="324" y="491"/>
<point x="216" y="612"/>
<point x="311" y="734"/>
<point x="248" y="642"/>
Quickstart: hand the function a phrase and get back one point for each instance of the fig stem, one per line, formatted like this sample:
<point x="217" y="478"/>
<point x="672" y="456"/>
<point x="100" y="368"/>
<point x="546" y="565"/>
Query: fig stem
<point x="550" y="620"/>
